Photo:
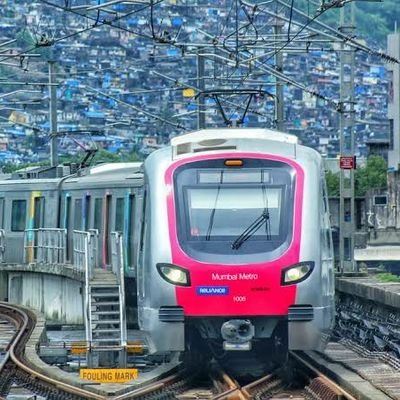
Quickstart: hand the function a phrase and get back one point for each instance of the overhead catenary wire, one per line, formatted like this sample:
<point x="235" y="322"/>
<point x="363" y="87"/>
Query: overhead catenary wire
<point x="151" y="115"/>
<point x="245" y="59"/>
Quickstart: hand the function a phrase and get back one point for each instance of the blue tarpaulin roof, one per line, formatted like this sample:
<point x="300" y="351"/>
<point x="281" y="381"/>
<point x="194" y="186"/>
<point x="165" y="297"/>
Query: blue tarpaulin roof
<point x="94" y="114"/>
<point x="16" y="132"/>
<point x="177" y="21"/>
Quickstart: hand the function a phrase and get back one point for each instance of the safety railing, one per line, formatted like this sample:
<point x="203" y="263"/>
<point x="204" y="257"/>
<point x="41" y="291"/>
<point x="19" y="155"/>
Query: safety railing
<point x="81" y="262"/>
<point x="117" y="255"/>
<point x="117" y="264"/>
<point x="2" y="244"/>
<point x="93" y="248"/>
<point x="45" y="245"/>
<point x="85" y="251"/>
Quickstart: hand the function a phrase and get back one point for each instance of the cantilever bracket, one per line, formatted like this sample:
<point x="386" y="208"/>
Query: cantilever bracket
<point x="217" y="93"/>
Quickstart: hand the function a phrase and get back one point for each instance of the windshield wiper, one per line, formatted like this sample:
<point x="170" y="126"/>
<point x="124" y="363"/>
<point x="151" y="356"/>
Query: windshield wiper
<point x="252" y="229"/>
<point x="212" y="215"/>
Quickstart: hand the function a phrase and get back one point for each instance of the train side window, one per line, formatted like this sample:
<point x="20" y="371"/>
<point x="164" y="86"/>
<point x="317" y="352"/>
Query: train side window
<point x="86" y="212"/>
<point x="78" y="214"/>
<point x="106" y="229"/>
<point x="67" y="211"/>
<point x="18" y="215"/>
<point x="98" y="206"/>
<point x="2" y="213"/>
<point x="130" y="230"/>
<point x="119" y="214"/>
<point x="39" y="207"/>
<point x="143" y="225"/>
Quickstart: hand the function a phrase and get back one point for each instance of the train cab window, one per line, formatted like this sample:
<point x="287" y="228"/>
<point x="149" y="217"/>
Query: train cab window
<point x="119" y="214"/>
<point x="230" y="214"/>
<point x="18" y="215"/>
<point x="245" y="204"/>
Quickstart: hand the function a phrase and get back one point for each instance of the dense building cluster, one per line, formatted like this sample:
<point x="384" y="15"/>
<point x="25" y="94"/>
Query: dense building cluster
<point x="127" y="92"/>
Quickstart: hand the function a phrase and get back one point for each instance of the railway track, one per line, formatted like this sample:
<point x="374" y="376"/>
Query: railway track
<point x="301" y="382"/>
<point x="281" y="384"/>
<point x="16" y="369"/>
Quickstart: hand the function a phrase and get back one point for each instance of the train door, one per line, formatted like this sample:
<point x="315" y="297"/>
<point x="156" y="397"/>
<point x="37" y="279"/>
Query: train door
<point x="15" y="225"/>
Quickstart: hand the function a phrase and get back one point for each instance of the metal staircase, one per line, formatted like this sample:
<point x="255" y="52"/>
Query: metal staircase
<point x="104" y="310"/>
<point x="106" y="319"/>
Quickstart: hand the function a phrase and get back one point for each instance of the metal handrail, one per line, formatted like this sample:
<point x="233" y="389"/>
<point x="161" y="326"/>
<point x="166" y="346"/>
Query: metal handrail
<point x="122" y="293"/>
<point x="80" y="252"/>
<point x="117" y="265"/>
<point x="45" y="245"/>
<point x="88" y="305"/>
<point x="94" y="247"/>
<point x="2" y="244"/>
<point x="82" y="262"/>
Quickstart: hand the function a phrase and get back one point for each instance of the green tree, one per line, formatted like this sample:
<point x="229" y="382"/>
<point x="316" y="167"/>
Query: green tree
<point x="333" y="183"/>
<point x="374" y="20"/>
<point x="372" y="176"/>
<point x="9" y="168"/>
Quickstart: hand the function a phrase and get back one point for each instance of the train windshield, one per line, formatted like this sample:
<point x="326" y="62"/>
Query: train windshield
<point x="226" y="213"/>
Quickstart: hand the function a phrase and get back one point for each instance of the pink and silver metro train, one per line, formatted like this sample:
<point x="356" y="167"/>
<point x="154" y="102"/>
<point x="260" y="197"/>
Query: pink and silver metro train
<point x="236" y="250"/>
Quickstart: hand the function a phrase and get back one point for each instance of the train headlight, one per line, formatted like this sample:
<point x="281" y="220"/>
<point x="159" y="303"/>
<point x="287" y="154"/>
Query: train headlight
<point x="297" y="273"/>
<point x="174" y="274"/>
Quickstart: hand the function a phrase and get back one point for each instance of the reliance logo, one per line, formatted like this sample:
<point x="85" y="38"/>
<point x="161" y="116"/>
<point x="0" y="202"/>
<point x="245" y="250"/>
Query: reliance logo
<point x="212" y="290"/>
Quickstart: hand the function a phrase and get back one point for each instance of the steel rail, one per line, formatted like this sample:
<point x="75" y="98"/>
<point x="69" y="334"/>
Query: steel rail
<point x="23" y="321"/>
<point x="150" y="388"/>
<point x="324" y="377"/>
<point x="53" y="382"/>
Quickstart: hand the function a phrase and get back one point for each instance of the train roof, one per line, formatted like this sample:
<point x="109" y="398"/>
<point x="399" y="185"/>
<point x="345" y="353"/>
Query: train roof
<point x="227" y="138"/>
<point x="98" y="175"/>
<point x="106" y="174"/>
<point x="234" y="133"/>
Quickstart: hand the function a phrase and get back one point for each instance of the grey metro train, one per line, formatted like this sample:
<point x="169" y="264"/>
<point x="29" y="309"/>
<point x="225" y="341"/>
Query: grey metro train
<point x="237" y="248"/>
<point x="226" y="239"/>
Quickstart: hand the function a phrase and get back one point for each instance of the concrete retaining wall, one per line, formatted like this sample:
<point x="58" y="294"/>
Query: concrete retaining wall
<point x="57" y="297"/>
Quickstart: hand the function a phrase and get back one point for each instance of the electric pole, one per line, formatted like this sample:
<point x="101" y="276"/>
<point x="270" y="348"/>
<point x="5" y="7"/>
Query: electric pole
<point x="53" y="116"/>
<point x="347" y="147"/>
<point x="201" y="116"/>
<point x="279" y="109"/>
